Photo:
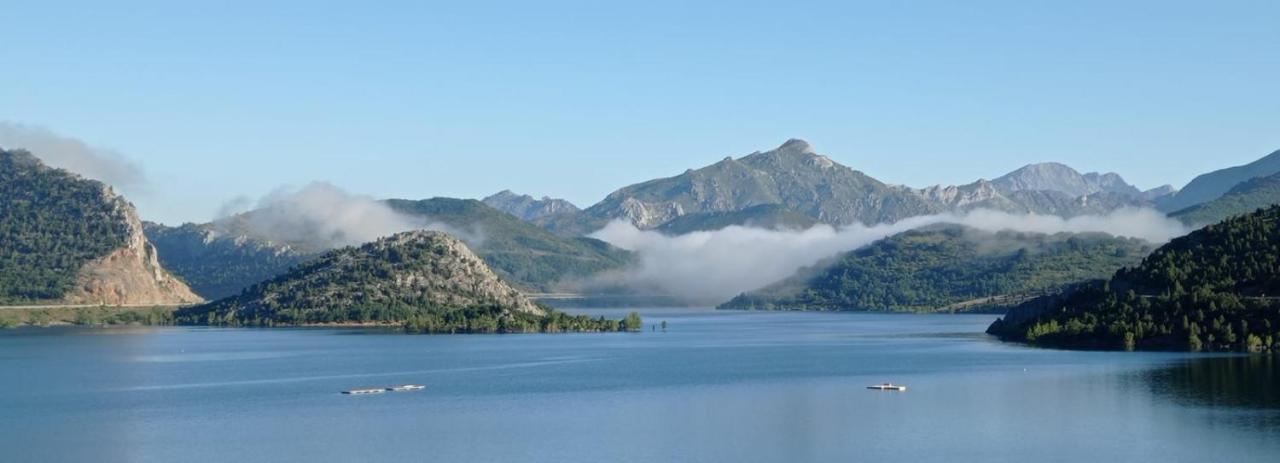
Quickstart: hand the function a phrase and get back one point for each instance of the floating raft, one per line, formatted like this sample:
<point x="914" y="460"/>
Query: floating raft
<point x="379" y="390"/>
<point x="887" y="387"/>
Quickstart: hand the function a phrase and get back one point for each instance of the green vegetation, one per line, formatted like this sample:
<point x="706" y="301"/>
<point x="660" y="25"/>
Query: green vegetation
<point x="1248" y="196"/>
<point x="216" y="267"/>
<point x="525" y="254"/>
<point x="425" y="282"/>
<point x="1214" y="289"/>
<point x="947" y="267"/>
<point x="51" y="224"/>
<point x="87" y="316"/>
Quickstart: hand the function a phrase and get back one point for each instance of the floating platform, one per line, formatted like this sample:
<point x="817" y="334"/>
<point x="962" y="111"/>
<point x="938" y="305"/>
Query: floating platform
<point x="887" y="387"/>
<point x="379" y="390"/>
<point x="365" y="390"/>
<point x="406" y="388"/>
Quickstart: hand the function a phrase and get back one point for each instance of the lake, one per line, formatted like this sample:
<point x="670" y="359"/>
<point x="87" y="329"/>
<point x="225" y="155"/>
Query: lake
<point x="716" y="386"/>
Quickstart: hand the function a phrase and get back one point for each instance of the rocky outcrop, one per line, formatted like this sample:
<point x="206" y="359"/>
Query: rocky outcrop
<point x="130" y="275"/>
<point x="526" y="207"/>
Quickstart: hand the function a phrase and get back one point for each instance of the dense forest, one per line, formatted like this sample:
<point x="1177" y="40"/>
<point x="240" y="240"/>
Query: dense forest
<point x="51" y="223"/>
<point x="1214" y="289"/>
<point x="421" y="280"/>
<point x="948" y="267"/>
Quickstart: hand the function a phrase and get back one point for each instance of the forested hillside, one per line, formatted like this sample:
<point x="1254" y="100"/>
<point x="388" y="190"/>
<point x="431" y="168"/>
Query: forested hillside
<point x="424" y="281"/>
<point x="1215" y="288"/>
<point x="947" y="267"/>
<point x="52" y="223"/>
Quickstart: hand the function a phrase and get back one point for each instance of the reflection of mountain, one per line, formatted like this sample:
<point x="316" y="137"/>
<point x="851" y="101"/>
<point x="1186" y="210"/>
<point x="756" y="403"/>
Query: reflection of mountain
<point x="1249" y="382"/>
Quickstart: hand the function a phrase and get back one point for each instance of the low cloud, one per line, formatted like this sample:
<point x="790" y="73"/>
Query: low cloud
<point x="713" y="266"/>
<point x="74" y="155"/>
<point x="322" y="216"/>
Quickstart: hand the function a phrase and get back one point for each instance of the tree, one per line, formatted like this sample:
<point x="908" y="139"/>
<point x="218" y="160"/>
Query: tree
<point x="633" y="322"/>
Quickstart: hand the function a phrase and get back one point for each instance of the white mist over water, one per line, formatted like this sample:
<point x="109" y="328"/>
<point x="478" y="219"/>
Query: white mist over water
<point x="713" y="266"/>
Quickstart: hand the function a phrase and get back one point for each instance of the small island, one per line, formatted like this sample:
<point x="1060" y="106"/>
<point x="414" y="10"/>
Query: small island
<point x="421" y="281"/>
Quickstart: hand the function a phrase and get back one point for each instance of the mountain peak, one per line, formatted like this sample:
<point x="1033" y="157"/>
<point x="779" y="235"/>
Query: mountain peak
<point x="796" y="144"/>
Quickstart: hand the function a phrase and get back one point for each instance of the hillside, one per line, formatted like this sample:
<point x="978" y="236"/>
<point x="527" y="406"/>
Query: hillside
<point x="1250" y="195"/>
<point x="65" y="239"/>
<point x="947" y="267"/>
<point x="525" y="254"/>
<point x="1208" y="186"/>
<point x="1212" y="289"/>
<point x="770" y="216"/>
<point x="215" y="264"/>
<point x="425" y="281"/>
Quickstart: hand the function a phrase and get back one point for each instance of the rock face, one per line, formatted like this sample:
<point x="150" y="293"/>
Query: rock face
<point x="66" y="239"/>
<point x="130" y="275"/>
<point x="526" y="207"/>
<point x="414" y="270"/>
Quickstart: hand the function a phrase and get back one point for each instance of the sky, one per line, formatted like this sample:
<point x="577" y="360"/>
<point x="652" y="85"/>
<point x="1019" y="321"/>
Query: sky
<point x="215" y="101"/>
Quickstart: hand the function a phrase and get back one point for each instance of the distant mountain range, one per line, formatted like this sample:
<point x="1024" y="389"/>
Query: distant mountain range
<point x="1247" y="196"/>
<point x="526" y="207"/>
<point x="795" y="180"/>
<point x="1217" y="183"/>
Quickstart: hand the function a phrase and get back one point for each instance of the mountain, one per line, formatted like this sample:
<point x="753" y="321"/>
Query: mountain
<point x="526" y="207"/>
<point x="525" y="254"/>
<point x="1212" y="289"/>
<point x="947" y="267"/>
<point x="769" y="216"/>
<point x="65" y="239"/>
<point x="1248" y="196"/>
<point x="1052" y="176"/>
<point x="1214" y="184"/>
<point x="217" y="264"/>
<point x="984" y="194"/>
<point x="426" y="281"/>
<point x="1157" y="192"/>
<point x="795" y="181"/>
<point x="793" y="175"/>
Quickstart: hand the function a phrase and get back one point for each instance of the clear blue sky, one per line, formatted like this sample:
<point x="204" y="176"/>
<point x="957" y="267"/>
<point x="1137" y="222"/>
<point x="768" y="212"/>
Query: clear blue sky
<point x="576" y="99"/>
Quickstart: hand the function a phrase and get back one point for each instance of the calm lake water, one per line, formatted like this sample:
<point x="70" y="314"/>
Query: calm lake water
<point x="717" y="386"/>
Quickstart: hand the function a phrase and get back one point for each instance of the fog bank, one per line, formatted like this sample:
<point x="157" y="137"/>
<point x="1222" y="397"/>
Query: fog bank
<point x="713" y="266"/>
<point x="323" y="216"/>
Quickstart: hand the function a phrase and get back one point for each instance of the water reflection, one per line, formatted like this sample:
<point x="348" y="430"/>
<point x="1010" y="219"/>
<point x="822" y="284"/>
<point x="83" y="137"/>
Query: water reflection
<point x="1251" y="381"/>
